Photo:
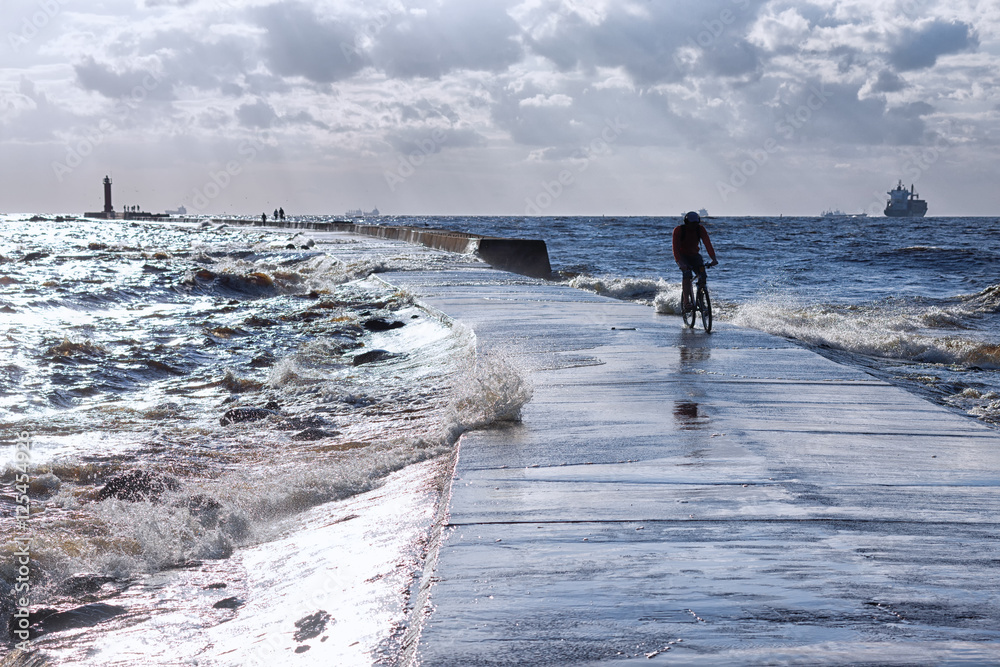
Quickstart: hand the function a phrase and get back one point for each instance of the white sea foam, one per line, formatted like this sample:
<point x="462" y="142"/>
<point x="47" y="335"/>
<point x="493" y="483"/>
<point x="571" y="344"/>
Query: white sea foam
<point x="668" y="302"/>
<point x="494" y="387"/>
<point x="272" y="479"/>
<point x="882" y="330"/>
<point x="643" y="290"/>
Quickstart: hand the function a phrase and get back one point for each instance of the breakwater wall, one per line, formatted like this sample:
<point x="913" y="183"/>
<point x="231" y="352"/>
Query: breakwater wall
<point x="529" y="257"/>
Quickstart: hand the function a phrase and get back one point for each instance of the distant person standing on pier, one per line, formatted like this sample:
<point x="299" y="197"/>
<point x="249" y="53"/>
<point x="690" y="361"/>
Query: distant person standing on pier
<point x="686" y="239"/>
<point x="263" y="218"/>
<point x="281" y="213"/>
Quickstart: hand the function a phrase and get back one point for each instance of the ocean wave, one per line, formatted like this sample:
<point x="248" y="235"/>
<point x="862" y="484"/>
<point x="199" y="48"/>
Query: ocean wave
<point x="643" y="290"/>
<point x="985" y="301"/>
<point x="932" y="249"/>
<point x="75" y="350"/>
<point x="239" y="485"/>
<point x="876" y="331"/>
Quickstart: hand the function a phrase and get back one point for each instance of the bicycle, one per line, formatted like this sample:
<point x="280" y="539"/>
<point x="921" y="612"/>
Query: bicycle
<point x="701" y="303"/>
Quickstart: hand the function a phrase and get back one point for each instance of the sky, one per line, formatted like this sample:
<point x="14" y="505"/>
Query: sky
<point x="499" y="107"/>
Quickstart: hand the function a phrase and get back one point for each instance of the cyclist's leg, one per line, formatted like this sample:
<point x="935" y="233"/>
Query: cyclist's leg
<point x="699" y="268"/>
<point x="687" y="293"/>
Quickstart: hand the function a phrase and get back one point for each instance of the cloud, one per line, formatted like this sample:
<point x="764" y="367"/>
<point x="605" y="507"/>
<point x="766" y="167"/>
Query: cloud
<point x="653" y="42"/>
<point x="454" y="35"/>
<point x="299" y="43"/>
<point x="888" y="82"/>
<point x="920" y="48"/>
<point x="205" y="62"/>
<point x="540" y="100"/>
<point x="429" y="141"/>
<point x="103" y="79"/>
<point x="260" y="114"/>
<point x="510" y="87"/>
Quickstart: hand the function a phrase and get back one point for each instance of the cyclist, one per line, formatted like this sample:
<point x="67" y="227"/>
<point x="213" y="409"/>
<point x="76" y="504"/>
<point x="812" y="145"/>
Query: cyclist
<point x="686" y="239"/>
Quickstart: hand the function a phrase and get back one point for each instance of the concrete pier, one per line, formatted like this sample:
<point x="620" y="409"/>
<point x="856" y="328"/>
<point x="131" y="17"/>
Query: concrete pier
<point x="529" y="257"/>
<point x="672" y="497"/>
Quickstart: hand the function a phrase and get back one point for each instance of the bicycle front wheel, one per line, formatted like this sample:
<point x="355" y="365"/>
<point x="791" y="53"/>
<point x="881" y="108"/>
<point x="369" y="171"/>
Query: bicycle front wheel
<point x="705" y="306"/>
<point x="689" y="311"/>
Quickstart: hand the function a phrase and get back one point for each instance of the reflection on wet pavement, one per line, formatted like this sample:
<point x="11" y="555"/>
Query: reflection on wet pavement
<point x="688" y="416"/>
<point x="692" y="355"/>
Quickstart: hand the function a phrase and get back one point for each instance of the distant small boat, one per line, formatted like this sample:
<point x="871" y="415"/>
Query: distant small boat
<point x="837" y="213"/>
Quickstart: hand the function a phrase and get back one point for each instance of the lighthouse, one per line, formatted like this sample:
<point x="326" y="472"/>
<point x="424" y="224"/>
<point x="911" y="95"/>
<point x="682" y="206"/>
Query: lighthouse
<point x="109" y="210"/>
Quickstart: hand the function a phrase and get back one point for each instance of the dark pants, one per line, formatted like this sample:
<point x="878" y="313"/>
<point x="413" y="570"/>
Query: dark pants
<point x="695" y="265"/>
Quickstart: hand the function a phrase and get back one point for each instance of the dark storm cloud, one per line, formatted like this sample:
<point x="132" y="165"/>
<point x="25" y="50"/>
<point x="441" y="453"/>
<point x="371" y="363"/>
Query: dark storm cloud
<point x="888" y="82"/>
<point x="300" y="43"/>
<point x="30" y="117"/>
<point x="260" y="114"/>
<point x="918" y="49"/>
<point x="457" y="35"/>
<point x="207" y="65"/>
<point x="732" y="59"/>
<point x="834" y="113"/>
<point x="646" y="42"/>
<point x="103" y="79"/>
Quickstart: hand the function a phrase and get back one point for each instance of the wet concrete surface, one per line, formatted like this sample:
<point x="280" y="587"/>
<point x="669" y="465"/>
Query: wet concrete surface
<point x="672" y="497"/>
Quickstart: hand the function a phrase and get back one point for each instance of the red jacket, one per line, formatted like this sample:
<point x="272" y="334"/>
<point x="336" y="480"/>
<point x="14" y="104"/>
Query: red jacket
<point x="687" y="244"/>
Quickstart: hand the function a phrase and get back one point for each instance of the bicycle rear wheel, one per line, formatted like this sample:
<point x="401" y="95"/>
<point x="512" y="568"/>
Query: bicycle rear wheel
<point x="705" y="306"/>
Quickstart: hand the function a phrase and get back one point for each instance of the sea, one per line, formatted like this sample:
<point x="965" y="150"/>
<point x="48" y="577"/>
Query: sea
<point x="186" y="405"/>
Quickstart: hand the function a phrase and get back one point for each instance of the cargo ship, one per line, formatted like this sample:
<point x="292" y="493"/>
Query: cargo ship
<point x="904" y="203"/>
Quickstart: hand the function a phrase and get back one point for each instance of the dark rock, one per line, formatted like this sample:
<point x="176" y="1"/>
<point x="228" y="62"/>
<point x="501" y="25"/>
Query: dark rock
<point x="82" y="584"/>
<point x="32" y="256"/>
<point x="239" y="415"/>
<point x="263" y="360"/>
<point x="379" y="324"/>
<point x="137" y="485"/>
<point x="229" y="603"/>
<point x="303" y="648"/>
<point x="370" y="356"/>
<point x="311" y="626"/>
<point x="215" y="586"/>
<point x="314" y="434"/>
<point x="312" y="421"/>
<point x="51" y="620"/>
<point x="258" y="321"/>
